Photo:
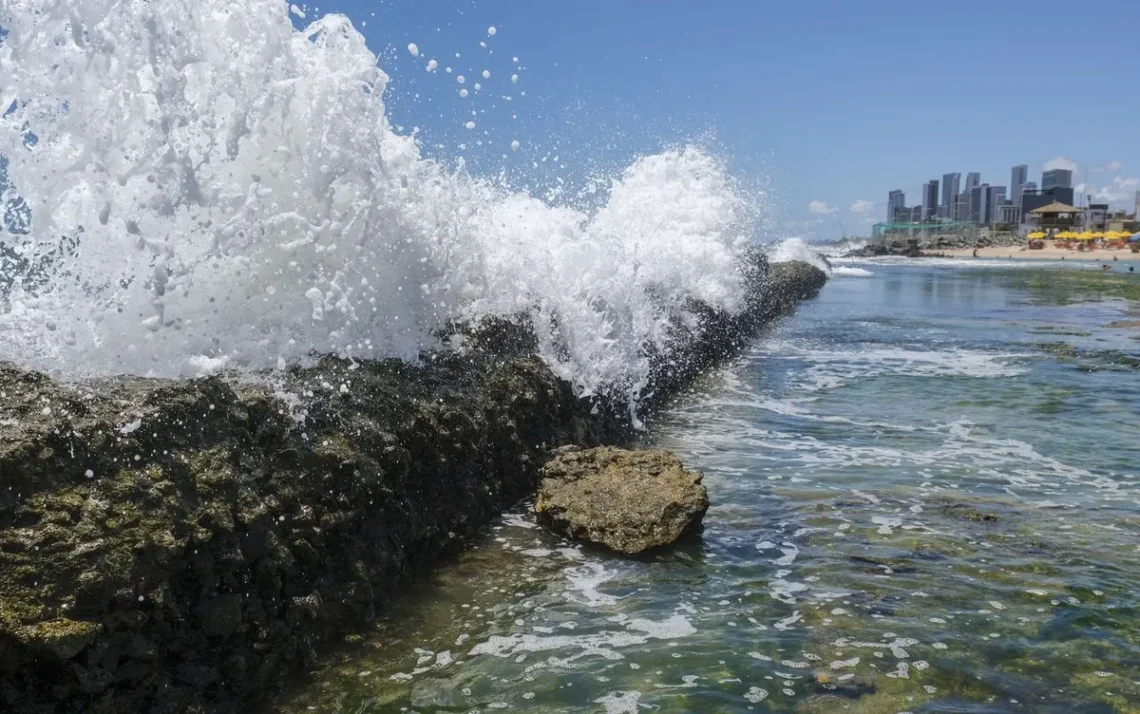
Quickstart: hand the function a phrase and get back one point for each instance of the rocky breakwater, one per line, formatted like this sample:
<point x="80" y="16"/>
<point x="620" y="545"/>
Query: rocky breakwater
<point x="930" y="248"/>
<point x="185" y="546"/>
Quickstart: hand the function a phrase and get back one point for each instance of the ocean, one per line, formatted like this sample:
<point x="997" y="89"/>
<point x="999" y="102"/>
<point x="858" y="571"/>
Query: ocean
<point x="924" y="499"/>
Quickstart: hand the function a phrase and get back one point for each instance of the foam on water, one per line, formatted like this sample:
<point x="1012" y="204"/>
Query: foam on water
<point x="241" y="200"/>
<point x="831" y="368"/>
<point x="850" y="272"/>
<point x="604" y="644"/>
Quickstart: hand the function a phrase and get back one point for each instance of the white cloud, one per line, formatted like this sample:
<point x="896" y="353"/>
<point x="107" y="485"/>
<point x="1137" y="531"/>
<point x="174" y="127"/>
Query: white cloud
<point x="821" y="208"/>
<point x="861" y="207"/>
<point x="1110" y="167"/>
<point x="1122" y="192"/>
<point x="1060" y="162"/>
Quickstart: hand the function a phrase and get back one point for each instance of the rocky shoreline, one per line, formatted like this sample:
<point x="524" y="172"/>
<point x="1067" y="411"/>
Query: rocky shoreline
<point x="184" y="546"/>
<point x="933" y="248"/>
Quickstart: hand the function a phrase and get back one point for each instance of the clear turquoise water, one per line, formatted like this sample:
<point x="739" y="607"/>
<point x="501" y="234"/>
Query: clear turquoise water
<point x="924" y="489"/>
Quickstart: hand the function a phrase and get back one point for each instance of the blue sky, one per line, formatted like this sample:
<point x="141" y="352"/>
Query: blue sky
<point x="825" y="104"/>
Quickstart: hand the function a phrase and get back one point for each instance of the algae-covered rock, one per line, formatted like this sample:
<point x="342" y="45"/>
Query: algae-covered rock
<point x="59" y="639"/>
<point x="628" y="501"/>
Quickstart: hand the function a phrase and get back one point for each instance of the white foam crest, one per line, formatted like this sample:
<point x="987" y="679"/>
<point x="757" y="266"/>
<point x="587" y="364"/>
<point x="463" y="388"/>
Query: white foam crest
<point x="840" y="248"/>
<point x="845" y="271"/>
<point x="244" y="201"/>
<point x="796" y="249"/>
<point x="832" y="368"/>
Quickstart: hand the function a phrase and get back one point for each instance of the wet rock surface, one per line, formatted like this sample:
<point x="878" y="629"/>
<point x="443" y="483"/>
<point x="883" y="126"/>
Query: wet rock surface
<point x="186" y="546"/>
<point x="627" y="501"/>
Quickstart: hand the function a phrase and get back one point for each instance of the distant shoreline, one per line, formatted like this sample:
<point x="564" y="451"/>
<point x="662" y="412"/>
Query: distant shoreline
<point x="1048" y="253"/>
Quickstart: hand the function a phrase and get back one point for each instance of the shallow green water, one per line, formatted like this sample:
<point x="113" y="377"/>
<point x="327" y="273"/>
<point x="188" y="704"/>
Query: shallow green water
<point x="924" y="491"/>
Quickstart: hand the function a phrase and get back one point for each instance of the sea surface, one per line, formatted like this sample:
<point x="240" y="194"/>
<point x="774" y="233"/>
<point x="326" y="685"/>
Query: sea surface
<point x="924" y="488"/>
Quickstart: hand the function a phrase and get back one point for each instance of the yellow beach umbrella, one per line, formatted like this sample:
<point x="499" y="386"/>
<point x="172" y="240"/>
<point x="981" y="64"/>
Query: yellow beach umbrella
<point x="1036" y="235"/>
<point x="1087" y="235"/>
<point x="1097" y="234"/>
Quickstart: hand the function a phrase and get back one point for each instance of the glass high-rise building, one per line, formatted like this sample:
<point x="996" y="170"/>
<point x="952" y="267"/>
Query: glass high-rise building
<point x="1056" y="178"/>
<point x="930" y="200"/>
<point x="950" y="186"/>
<point x="896" y="201"/>
<point x="1018" y="177"/>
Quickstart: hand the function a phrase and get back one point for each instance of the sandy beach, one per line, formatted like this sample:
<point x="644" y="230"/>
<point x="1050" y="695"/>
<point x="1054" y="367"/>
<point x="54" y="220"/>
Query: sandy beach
<point x="1047" y="253"/>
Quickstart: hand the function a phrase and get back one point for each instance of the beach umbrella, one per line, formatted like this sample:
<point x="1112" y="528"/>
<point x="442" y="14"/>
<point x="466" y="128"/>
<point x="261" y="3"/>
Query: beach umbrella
<point x="1036" y="234"/>
<point x="1135" y="238"/>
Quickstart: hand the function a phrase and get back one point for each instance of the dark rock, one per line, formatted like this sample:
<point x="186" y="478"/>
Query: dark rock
<point x="628" y="501"/>
<point x="220" y="616"/>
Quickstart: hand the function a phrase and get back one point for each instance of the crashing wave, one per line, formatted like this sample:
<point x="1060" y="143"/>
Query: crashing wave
<point x="230" y="192"/>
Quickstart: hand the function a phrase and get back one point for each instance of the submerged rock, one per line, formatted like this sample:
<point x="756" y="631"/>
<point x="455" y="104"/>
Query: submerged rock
<point x="628" y="501"/>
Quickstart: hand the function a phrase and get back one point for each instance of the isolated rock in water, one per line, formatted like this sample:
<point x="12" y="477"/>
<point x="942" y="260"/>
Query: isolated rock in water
<point x="628" y="501"/>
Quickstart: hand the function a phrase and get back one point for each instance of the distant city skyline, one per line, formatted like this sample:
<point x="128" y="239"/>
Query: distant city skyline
<point x="1083" y="184"/>
<point x="985" y="204"/>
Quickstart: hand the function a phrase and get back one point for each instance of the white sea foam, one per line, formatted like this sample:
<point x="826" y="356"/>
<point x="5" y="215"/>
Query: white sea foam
<point x="620" y="702"/>
<point x="850" y="272"/>
<point x="831" y="368"/>
<point x="584" y="582"/>
<point x="796" y="249"/>
<point x="239" y="194"/>
<point x="638" y="631"/>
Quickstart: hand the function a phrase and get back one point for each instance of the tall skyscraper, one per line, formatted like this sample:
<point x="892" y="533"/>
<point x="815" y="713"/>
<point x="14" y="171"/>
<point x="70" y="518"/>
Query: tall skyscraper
<point x="930" y="200"/>
<point x="973" y="179"/>
<point x="994" y="199"/>
<point x="1060" y="178"/>
<point x="1017" y="178"/>
<point x="978" y="196"/>
<point x="949" y="191"/>
<point x="896" y="201"/>
<point x="961" y="210"/>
